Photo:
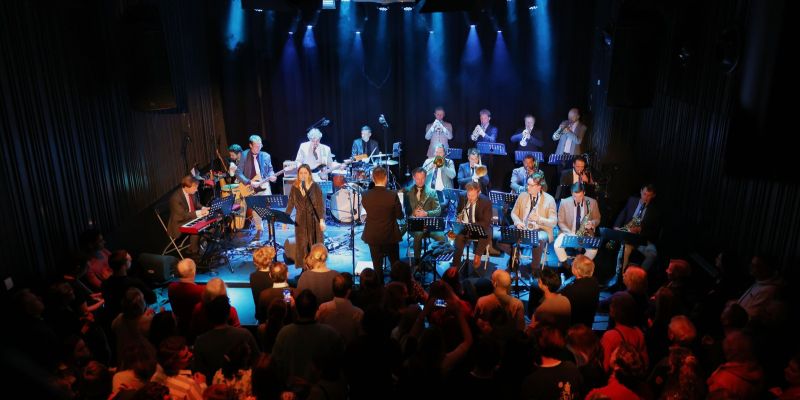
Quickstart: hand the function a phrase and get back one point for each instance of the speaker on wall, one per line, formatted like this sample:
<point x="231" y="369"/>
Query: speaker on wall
<point x="144" y="54"/>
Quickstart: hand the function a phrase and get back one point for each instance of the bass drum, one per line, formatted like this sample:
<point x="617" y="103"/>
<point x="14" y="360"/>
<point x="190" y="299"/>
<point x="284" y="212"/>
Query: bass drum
<point x="344" y="201"/>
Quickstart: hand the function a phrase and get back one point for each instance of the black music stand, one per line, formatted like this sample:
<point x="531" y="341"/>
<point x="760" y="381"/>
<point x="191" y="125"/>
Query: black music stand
<point x="503" y="200"/>
<point x="520" y="155"/>
<point x="491" y="148"/>
<point x="471" y="232"/>
<point x="608" y="234"/>
<point x="454" y="154"/>
<point x="452" y="196"/>
<point x="580" y="242"/>
<point x="260" y="205"/>
<point x="425" y="225"/>
<point x="559" y="159"/>
<point x="519" y="237"/>
<point x="223" y="205"/>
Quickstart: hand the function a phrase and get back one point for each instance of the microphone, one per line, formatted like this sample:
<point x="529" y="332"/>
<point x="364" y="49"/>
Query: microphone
<point x="303" y="183"/>
<point x="382" y="121"/>
<point x="325" y="121"/>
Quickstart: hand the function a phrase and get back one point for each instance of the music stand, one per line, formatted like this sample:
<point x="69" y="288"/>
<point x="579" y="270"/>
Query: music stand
<point x="471" y="232"/>
<point x="259" y="206"/>
<point x="556" y="159"/>
<point x="512" y="234"/>
<point x="454" y="154"/>
<point x="621" y="236"/>
<point x="520" y="155"/>
<point x="504" y="201"/>
<point x="453" y="196"/>
<point x="223" y="205"/>
<point x="325" y="186"/>
<point x="426" y="224"/>
<point x="580" y="242"/>
<point x="492" y="148"/>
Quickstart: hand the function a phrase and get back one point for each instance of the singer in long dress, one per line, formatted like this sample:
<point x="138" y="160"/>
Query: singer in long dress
<point x="306" y="199"/>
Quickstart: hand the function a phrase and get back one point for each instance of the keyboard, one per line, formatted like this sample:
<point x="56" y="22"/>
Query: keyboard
<point x="198" y="225"/>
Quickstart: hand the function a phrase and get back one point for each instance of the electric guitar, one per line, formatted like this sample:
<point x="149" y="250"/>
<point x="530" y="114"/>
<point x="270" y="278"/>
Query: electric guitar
<point x="255" y="183"/>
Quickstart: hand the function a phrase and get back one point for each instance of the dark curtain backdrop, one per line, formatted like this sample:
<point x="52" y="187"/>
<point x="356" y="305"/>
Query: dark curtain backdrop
<point x="679" y="143"/>
<point x="74" y="152"/>
<point x="275" y="79"/>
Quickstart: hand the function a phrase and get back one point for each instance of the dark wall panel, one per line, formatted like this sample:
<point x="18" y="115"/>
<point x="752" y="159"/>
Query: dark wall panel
<point x="74" y="151"/>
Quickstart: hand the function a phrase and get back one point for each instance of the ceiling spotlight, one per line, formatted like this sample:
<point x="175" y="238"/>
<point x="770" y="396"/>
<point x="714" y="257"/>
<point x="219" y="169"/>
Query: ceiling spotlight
<point x="472" y="26"/>
<point x="358" y="32"/>
<point x="499" y="31"/>
<point x="291" y="33"/>
<point x="407" y="8"/>
<point x="259" y="10"/>
<point x="383" y="8"/>
<point x="310" y="26"/>
<point x="431" y="32"/>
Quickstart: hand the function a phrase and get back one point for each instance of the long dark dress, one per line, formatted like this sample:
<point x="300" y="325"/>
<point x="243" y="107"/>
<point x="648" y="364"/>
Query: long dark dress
<point x="307" y="230"/>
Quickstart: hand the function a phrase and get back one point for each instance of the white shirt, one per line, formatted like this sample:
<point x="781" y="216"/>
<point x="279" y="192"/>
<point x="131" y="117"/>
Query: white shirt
<point x="532" y="205"/>
<point x="439" y="184"/>
<point x="568" y="142"/>
<point x="256" y="166"/>
<point x="189" y="202"/>
<point x="469" y="210"/>
<point x="305" y="155"/>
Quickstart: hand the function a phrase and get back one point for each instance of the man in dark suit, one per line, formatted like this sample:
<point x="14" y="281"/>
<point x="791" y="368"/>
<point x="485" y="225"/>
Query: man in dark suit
<point x="256" y="171"/>
<point x="466" y="172"/>
<point x="584" y="292"/>
<point x="485" y="132"/>
<point x="184" y="206"/>
<point x="364" y="144"/>
<point x="533" y="137"/>
<point x="578" y="173"/>
<point x="421" y="201"/>
<point x="381" y="232"/>
<point x="474" y="208"/>
<point x="646" y="211"/>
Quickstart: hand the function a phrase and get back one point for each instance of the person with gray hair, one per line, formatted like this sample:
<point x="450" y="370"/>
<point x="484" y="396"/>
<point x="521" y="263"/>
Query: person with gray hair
<point x="439" y="132"/>
<point x="257" y="173"/>
<point x="315" y="154"/>
<point x="184" y="294"/>
<point x="214" y="288"/>
<point x="584" y="292"/>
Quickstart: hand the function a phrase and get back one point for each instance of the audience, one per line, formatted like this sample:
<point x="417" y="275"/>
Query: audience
<point x="741" y="376"/>
<point x="200" y="323"/>
<point x="279" y="275"/>
<point x="318" y="278"/>
<point x="401" y="272"/>
<point x="236" y="372"/>
<point x="174" y="357"/>
<point x="501" y="300"/>
<point x="339" y="313"/>
<point x="184" y="294"/>
<point x="115" y="287"/>
<point x="211" y="347"/>
<point x="622" y="313"/>
<point x="553" y="378"/>
<point x="627" y="373"/>
<point x="555" y="308"/>
<point x="261" y="278"/>
<point x="584" y="293"/>
<point x="93" y="248"/>
<point x="585" y="347"/>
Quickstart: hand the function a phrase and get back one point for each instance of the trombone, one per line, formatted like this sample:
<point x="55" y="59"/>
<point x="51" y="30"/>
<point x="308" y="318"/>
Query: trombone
<point x="480" y="169"/>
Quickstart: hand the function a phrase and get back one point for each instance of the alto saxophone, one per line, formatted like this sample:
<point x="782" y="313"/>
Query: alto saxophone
<point x="476" y="133"/>
<point x="635" y="222"/>
<point x="583" y="230"/>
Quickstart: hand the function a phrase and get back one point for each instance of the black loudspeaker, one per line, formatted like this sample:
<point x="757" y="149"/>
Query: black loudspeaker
<point x="635" y="50"/>
<point x="156" y="268"/>
<point x="289" y="251"/>
<point x="144" y="54"/>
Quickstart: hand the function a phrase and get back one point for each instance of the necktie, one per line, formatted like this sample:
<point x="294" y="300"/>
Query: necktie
<point x="191" y="203"/>
<point x="641" y="210"/>
<point x="314" y="150"/>
<point x="435" y="176"/>
<point x="469" y="213"/>
<point x="419" y="192"/>
<point x="577" y="216"/>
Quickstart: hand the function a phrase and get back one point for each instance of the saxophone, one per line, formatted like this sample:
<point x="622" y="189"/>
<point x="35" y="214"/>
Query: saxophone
<point x="635" y="222"/>
<point x="583" y="230"/>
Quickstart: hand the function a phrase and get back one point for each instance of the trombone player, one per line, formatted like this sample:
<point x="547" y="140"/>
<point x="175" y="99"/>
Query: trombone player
<point x="473" y="171"/>
<point x="519" y="176"/>
<point x="421" y="201"/>
<point x="578" y="215"/>
<point x="536" y="211"/>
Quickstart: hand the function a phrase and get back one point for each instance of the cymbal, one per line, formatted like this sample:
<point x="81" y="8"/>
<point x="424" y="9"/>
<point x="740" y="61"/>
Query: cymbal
<point x="380" y="155"/>
<point x="388" y="162"/>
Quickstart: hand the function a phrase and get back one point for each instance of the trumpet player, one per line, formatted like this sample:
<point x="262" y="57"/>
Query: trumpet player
<point x="570" y="134"/>
<point x="519" y="176"/>
<point x="438" y="131"/>
<point x="484" y="132"/>
<point x="439" y="170"/>
<point x="641" y="216"/>
<point x="474" y="208"/>
<point x="578" y="174"/>
<point x="421" y="201"/>
<point x="528" y="139"/>
<point x="536" y="211"/>
<point x="473" y="171"/>
<point x="578" y="214"/>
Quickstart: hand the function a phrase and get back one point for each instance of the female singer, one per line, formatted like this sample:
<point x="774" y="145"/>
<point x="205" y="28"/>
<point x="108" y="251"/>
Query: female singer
<point x="306" y="198"/>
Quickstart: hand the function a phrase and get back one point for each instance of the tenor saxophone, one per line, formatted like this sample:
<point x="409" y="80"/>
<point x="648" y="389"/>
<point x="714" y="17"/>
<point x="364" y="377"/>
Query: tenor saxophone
<point x="583" y="230"/>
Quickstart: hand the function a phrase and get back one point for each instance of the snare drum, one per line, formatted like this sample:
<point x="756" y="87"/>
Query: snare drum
<point x="344" y="201"/>
<point x="361" y="173"/>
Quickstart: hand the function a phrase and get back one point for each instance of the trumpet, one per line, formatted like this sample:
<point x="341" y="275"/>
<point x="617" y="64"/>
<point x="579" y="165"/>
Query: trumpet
<point x="476" y="133"/>
<point x="525" y="136"/>
<point x="557" y="134"/>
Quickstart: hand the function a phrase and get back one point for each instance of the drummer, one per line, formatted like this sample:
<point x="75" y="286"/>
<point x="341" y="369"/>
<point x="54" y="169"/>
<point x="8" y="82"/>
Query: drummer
<point x="364" y="145"/>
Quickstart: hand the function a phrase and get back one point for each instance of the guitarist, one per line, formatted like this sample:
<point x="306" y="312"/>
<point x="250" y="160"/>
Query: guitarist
<point x="315" y="154"/>
<point x="255" y="165"/>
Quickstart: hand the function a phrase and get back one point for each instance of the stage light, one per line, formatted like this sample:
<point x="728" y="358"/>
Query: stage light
<point x="407" y="8"/>
<point x="291" y="33"/>
<point x="472" y="26"/>
<point x="383" y="8"/>
<point x="431" y="32"/>
<point x="310" y="26"/>
<point x="499" y="31"/>
<point x="259" y="10"/>
<point x="358" y="32"/>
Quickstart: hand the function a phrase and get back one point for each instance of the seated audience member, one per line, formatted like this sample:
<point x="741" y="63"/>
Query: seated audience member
<point x="584" y="293"/>
<point x="554" y="378"/>
<point x="555" y="308"/>
<point x="115" y="287"/>
<point x="200" y="324"/>
<point x="370" y="290"/>
<point x="585" y="346"/>
<point x="133" y="323"/>
<point x="740" y="377"/>
<point x="676" y="375"/>
<point x="93" y="248"/>
<point x="339" y="313"/>
<point x="765" y="290"/>
<point x="627" y="374"/>
<point x="501" y="299"/>
<point x="211" y="347"/>
<point x="622" y="313"/>
<point x="236" y="372"/>
<point x="175" y="358"/>
<point x="279" y="274"/>
<point x="299" y="343"/>
<point x="318" y="278"/>
<point x="184" y="294"/>
<point x="260" y="279"/>
<point x="792" y="376"/>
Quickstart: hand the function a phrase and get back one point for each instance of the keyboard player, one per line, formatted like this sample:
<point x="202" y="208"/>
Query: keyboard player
<point x="184" y="206"/>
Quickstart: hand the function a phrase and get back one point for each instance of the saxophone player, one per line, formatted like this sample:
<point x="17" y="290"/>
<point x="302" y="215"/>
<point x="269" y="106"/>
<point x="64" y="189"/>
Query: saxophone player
<point x="474" y="208"/>
<point x="641" y="216"/>
<point x="578" y="214"/>
<point x="578" y="174"/>
<point x="421" y="201"/>
<point x="536" y="211"/>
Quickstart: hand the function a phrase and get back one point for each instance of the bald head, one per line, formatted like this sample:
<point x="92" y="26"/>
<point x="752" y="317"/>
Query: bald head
<point x="501" y="280"/>
<point x="214" y="288"/>
<point x="187" y="269"/>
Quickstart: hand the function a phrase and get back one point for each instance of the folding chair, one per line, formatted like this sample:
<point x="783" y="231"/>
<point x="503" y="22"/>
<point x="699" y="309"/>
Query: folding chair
<point x="172" y="246"/>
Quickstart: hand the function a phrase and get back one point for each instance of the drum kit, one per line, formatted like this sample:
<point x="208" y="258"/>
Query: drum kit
<point x="350" y="183"/>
